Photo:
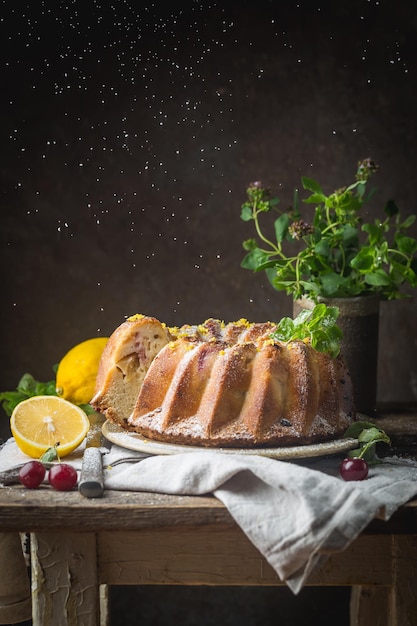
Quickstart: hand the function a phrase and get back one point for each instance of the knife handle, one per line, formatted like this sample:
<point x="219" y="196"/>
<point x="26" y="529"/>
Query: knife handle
<point x="91" y="483"/>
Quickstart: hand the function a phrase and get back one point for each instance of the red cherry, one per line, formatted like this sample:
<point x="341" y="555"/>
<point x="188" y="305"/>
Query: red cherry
<point x="353" y="469"/>
<point x="62" y="477"/>
<point x="32" y="474"/>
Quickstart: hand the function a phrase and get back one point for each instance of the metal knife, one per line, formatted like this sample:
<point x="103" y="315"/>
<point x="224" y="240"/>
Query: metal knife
<point x="91" y="484"/>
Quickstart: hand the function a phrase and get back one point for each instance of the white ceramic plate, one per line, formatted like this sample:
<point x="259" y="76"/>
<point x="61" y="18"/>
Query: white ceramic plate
<point x="134" y="441"/>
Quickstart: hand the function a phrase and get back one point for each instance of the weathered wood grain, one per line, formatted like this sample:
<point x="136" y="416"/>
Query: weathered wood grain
<point x="65" y="590"/>
<point x="395" y="605"/>
<point x="44" y="509"/>
<point x="224" y="556"/>
<point x="403" y="593"/>
<point x="15" y="596"/>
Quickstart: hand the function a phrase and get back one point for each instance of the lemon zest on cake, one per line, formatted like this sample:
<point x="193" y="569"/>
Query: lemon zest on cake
<point x="136" y="316"/>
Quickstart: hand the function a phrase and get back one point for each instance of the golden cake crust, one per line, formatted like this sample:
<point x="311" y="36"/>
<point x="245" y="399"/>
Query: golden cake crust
<point x="221" y="385"/>
<point x="246" y="395"/>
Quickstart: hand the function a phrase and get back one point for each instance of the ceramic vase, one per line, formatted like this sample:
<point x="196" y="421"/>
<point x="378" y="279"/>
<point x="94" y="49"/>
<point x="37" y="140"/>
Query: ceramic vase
<point x="359" y="322"/>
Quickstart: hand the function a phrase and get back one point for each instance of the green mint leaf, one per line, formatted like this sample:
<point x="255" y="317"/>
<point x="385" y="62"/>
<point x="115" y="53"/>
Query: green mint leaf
<point x="311" y="185"/>
<point x="350" y="235"/>
<point x="364" y="260"/>
<point x="50" y="455"/>
<point x="368" y="435"/>
<point x="315" y="198"/>
<point x="285" y="329"/>
<point x="356" y="428"/>
<point x="26" y="384"/>
<point x="373" y="434"/>
<point x="246" y="214"/>
<point x="378" y="278"/>
<point x="409" y="221"/>
<point x="406" y="245"/>
<point x="322" y="248"/>
<point x="281" y="227"/>
<point x="87" y="408"/>
<point x="254" y="259"/>
<point x="250" y="244"/>
<point x="324" y="315"/>
<point x="26" y="388"/>
<point x="301" y="318"/>
<point x="10" y="399"/>
<point x="317" y="326"/>
<point x="331" y="283"/>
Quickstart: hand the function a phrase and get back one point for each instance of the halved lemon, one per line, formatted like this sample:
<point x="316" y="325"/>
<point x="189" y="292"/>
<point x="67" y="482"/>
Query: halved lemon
<point x="41" y="422"/>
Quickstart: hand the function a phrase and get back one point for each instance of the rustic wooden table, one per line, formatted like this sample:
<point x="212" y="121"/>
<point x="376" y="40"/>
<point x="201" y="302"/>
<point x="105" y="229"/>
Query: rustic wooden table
<point x="80" y="546"/>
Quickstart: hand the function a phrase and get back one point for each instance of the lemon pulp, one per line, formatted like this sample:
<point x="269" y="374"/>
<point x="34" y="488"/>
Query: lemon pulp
<point x="41" y="422"/>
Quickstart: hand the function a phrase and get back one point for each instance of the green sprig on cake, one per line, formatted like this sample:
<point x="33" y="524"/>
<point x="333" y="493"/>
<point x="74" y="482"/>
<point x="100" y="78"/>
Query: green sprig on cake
<point x="317" y="326"/>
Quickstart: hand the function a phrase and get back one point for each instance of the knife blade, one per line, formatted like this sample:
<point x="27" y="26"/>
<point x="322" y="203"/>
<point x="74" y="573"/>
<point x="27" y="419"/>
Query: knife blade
<point x="91" y="484"/>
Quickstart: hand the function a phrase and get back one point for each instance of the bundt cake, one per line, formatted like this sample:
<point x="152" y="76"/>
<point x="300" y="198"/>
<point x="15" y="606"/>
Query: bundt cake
<point x="219" y="385"/>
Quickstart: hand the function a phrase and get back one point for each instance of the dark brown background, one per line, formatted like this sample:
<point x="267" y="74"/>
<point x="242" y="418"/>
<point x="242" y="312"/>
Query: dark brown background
<point x="130" y="133"/>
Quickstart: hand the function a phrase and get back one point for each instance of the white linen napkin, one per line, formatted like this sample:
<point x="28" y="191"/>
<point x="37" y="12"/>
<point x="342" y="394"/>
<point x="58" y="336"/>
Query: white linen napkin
<point x="11" y="456"/>
<point x="294" y="513"/>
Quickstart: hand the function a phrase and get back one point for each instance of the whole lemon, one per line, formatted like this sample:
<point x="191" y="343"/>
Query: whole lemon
<point x="77" y="371"/>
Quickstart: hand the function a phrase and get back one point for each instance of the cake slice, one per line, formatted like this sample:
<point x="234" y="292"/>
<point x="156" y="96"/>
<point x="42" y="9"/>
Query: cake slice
<point x="124" y="363"/>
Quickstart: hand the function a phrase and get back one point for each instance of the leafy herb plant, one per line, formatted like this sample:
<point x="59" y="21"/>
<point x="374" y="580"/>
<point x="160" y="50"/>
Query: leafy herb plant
<point x="333" y="251"/>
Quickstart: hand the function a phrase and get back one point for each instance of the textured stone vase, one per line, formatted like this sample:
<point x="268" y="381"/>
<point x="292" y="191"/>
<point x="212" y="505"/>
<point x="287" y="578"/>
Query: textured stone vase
<point x="359" y="322"/>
